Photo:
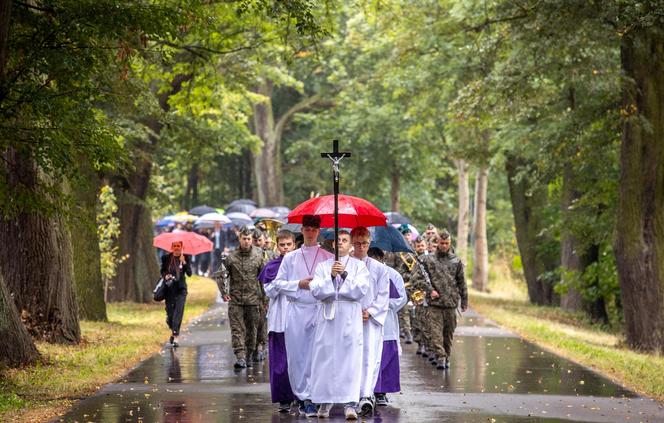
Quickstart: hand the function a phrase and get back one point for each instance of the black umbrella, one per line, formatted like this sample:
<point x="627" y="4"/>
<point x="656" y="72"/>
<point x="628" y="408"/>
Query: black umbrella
<point x="396" y="217"/>
<point x="201" y="210"/>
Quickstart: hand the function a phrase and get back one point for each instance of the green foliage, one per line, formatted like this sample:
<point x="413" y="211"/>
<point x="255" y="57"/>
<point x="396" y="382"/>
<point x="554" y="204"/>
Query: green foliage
<point x="108" y="231"/>
<point x="62" y="58"/>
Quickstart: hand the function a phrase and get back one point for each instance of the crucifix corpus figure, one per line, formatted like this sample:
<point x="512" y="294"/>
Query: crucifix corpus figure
<point x="336" y="156"/>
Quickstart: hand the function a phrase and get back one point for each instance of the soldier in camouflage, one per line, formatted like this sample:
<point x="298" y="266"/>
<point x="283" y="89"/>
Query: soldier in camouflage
<point x="238" y="281"/>
<point x="449" y="292"/>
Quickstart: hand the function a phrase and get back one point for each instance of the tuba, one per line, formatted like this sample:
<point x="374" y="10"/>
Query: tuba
<point x="271" y="227"/>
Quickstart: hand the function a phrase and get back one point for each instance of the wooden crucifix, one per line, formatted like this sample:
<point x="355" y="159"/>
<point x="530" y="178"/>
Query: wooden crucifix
<point x="336" y="157"/>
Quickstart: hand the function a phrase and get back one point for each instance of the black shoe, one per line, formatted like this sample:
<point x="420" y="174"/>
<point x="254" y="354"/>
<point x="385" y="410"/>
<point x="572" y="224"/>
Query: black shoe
<point x="366" y="407"/>
<point x="250" y="362"/>
<point x="447" y="362"/>
<point x="175" y="344"/>
<point x="170" y="340"/>
<point x="284" y="406"/>
<point x="381" y="400"/>
<point x="432" y="358"/>
<point x="241" y="363"/>
<point x="425" y="354"/>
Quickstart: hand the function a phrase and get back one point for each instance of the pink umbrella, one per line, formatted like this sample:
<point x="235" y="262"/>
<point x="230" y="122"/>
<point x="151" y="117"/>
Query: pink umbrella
<point x="191" y="243"/>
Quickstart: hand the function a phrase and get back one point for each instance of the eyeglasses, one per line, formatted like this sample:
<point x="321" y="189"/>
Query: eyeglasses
<point x="361" y="244"/>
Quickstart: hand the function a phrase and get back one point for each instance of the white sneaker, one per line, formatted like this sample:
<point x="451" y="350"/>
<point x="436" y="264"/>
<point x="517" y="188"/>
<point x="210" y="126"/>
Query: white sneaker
<point x="350" y="413"/>
<point x="324" y="410"/>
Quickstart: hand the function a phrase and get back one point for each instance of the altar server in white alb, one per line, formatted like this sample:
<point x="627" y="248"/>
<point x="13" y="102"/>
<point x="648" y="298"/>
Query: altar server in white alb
<point x="337" y="352"/>
<point x="295" y="274"/>
<point x="390" y="375"/>
<point x="374" y="312"/>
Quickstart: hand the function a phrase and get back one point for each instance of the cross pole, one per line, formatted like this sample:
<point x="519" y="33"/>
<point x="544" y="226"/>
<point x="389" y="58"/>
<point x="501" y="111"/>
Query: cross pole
<point x="336" y="157"/>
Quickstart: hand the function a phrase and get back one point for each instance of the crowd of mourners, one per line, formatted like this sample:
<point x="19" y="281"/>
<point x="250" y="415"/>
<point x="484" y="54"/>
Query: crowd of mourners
<point x="330" y="329"/>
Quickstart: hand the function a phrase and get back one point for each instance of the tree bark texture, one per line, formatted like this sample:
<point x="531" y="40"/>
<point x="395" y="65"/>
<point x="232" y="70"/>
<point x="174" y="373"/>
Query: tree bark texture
<point x="570" y="259"/>
<point x="190" y="199"/>
<point x="464" y="210"/>
<point x="481" y="255"/>
<point x="85" y="244"/>
<point x="537" y="256"/>
<point x="15" y="342"/>
<point x="267" y="162"/>
<point x="36" y="262"/>
<point x="639" y="241"/>
<point x="5" y="20"/>
<point x="137" y="274"/>
<point x="395" y="183"/>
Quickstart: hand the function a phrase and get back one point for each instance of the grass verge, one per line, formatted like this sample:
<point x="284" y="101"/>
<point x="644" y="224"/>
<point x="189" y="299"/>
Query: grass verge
<point x="67" y="373"/>
<point x="570" y="335"/>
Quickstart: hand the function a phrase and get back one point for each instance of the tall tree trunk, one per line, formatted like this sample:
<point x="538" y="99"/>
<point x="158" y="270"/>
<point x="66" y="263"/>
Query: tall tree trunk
<point x="464" y="210"/>
<point x="138" y="273"/>
<point x="639" y="242"/>
<point x="539" y="253"/>
<point x="85" y="245"/>
<point x="140" y="270"/>
<point x="267" y="163"/>
<point x="481" y="255"/>
<point x="395" y="182"/>
<point x="190" y="198"/>
<point x="570" y="259"/>
<point x="36" y="262"/>
<point x="5" y="19"/>
<point x="15" y="342"/>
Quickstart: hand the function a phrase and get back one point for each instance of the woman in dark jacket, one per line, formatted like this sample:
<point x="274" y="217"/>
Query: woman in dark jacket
<point x="175" y="267"/>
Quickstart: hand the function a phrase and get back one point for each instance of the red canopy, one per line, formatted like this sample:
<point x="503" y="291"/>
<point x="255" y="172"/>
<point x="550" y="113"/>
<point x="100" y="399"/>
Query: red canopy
<point x="353" y="212"/>
<point x="191" y="243"/>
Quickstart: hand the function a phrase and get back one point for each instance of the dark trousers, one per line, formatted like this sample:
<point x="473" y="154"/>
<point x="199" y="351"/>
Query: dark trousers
<point x="175" y="310"/>
<point x="216" y="261"/>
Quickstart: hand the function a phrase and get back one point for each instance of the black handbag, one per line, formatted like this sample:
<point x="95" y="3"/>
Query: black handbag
<point x="159" y="293"/>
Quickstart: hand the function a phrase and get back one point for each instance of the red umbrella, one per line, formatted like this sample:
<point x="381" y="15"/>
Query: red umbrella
<point x="353" y="212"/>
<point x="191" y="243"/>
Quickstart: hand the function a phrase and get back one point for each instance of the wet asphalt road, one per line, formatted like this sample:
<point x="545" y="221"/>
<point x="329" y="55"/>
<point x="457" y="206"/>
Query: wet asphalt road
<point x="495" y="377"/>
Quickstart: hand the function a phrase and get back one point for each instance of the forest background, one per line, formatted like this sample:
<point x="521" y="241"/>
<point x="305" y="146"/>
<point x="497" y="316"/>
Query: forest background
<point x="532" y="130"/>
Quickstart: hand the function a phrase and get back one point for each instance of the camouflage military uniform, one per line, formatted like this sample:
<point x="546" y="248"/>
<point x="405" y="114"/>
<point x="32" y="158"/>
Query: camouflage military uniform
<point x="421" y="281"/>
<point x="447" y="278"/>
<point x="238" y="278"/>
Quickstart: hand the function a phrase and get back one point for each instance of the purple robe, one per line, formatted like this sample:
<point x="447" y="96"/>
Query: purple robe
<point x="270" y="270"/>
<point x="388" y="378"/>
<point x="279" y="383"/>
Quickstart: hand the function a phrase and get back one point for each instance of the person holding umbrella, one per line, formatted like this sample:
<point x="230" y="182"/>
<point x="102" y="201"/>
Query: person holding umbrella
<point x="175" y="267"/>
<point x="293" y="278"/>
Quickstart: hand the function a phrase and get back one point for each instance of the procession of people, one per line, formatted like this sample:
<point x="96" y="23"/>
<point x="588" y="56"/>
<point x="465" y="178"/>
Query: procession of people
<point x="331" y="328"/>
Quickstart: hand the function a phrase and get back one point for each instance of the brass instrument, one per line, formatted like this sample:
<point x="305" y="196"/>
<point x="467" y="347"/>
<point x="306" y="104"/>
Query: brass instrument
<point x="271" y="227"/>
<point x="418" y="297"/>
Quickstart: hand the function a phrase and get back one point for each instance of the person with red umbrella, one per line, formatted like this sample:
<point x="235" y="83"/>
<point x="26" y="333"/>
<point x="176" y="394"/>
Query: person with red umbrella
<point x="175" y="267"/>
<point x="292" y="280"/>
<point x="339" y="285"/>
